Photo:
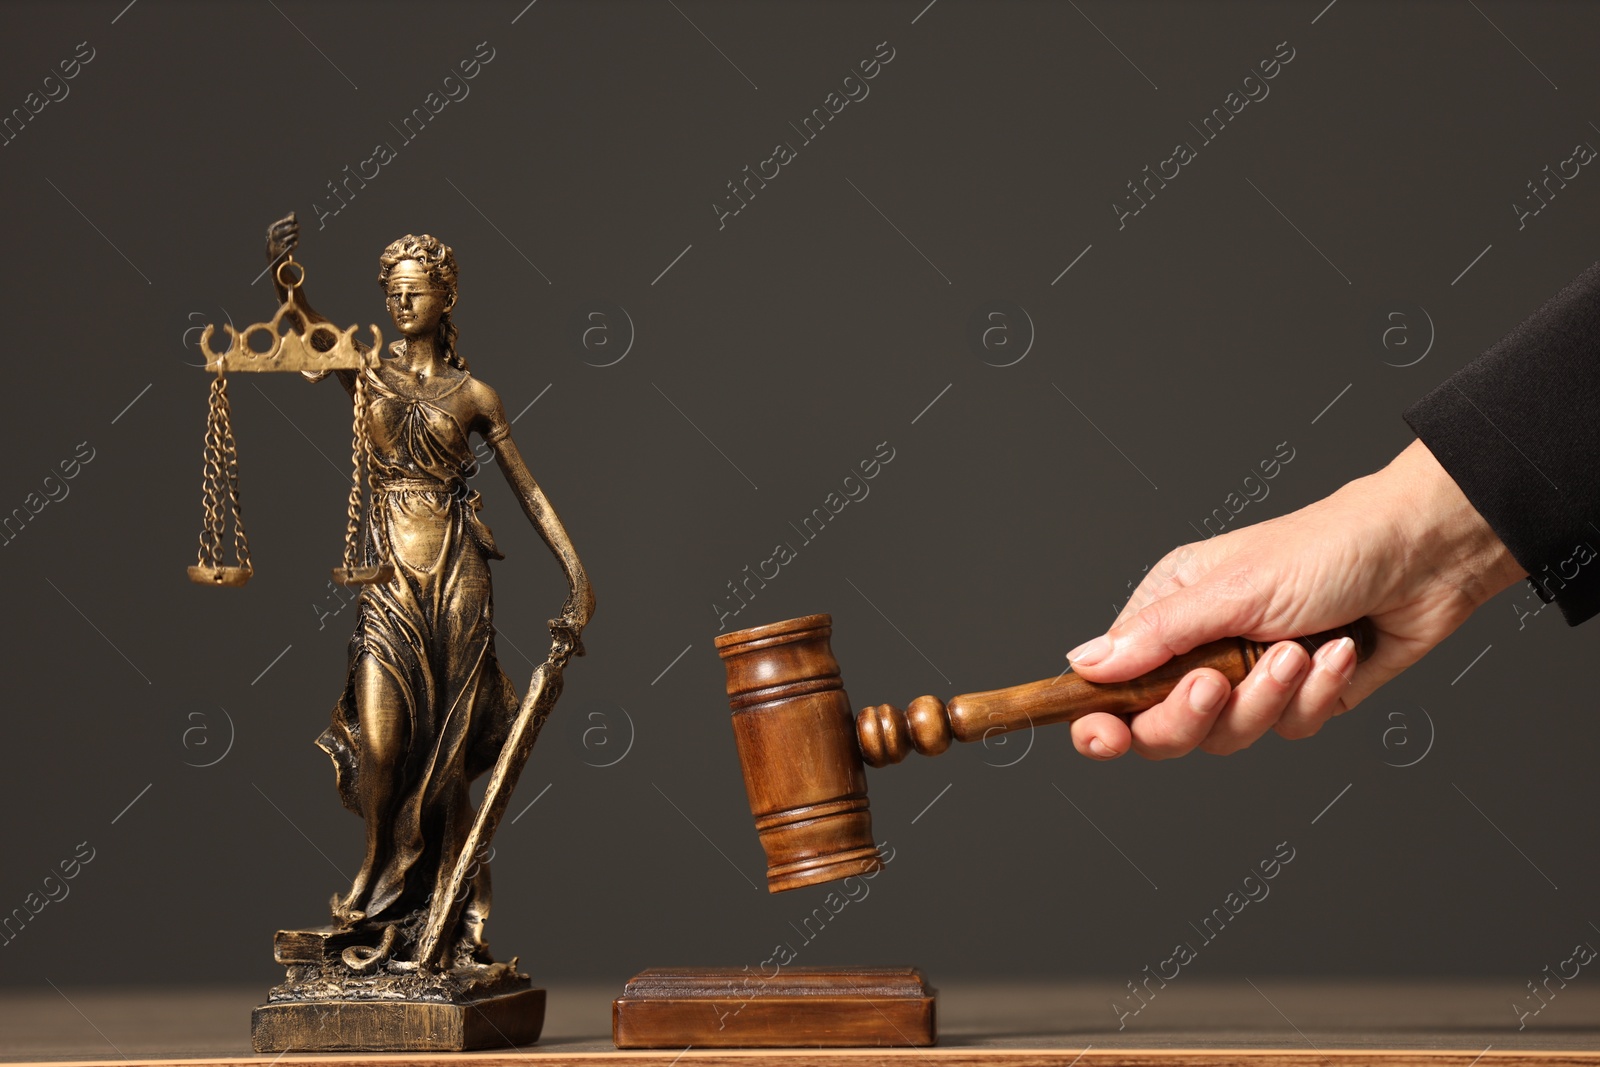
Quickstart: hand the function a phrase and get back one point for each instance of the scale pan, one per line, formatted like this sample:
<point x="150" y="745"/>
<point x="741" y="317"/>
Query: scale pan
<point x="234" y="576"/>
<point x="371" y="575"/>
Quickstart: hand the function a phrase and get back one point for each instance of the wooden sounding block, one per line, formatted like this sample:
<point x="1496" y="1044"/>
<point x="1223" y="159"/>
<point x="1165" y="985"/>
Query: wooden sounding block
<point x="800" y="1007"/>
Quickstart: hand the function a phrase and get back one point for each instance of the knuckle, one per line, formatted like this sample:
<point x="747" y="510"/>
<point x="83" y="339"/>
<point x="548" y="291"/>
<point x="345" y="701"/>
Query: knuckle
<point x="1256" y="715"/>
<point x="1175" y="565"/>
<point x="1162" y="730"/>
<point x="1297" y="729"/>
<point x="1150" y="626"/>
<point x="1160" y="746"/>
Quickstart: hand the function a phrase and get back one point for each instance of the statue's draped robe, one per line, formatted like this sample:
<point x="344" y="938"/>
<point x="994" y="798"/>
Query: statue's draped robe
<point x="430" y="628"/>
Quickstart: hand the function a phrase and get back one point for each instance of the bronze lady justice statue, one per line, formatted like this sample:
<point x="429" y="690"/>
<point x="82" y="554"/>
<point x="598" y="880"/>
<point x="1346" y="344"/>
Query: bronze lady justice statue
<point x="426" y="707"/>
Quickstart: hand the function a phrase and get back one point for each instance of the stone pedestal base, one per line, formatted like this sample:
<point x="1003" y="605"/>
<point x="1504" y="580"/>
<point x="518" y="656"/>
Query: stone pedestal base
<point x="381" y="1005"/>
<point x="493" y="1021"/>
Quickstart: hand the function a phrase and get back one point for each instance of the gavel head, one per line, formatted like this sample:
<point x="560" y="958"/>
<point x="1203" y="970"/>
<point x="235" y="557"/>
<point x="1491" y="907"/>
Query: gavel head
<point x="798" y="747"/>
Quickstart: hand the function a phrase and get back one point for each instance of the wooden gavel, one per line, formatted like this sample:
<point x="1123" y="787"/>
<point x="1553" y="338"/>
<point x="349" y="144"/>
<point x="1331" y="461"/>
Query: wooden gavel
<point x="803" y="753"/>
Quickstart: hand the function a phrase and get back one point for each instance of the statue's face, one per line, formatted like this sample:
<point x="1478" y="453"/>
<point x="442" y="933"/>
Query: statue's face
<point x="413" y="303"/>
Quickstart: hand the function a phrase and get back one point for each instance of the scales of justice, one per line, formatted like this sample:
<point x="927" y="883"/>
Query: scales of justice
<point x="426" y="709"/>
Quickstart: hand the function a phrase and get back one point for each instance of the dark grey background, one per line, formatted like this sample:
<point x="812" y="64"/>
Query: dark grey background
<point x="1007" y="528"/>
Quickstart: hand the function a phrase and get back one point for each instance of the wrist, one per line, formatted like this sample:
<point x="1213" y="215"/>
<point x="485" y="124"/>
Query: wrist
<point x="1447" y="541"/>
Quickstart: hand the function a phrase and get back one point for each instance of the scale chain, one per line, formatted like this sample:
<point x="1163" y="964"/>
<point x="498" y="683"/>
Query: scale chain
<point x="314" y="348"/>
<point x="211" y="529"/>
<point x="230" y="452"/>
<point x="360" y="447"/>
<point x="220" y="477"/>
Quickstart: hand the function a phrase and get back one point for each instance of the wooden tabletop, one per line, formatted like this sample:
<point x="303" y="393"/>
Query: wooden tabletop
<point x="1265" y="1022"/>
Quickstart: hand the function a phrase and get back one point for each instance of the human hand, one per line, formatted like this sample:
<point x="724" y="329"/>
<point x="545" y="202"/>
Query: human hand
<point x="1403" y="547"/>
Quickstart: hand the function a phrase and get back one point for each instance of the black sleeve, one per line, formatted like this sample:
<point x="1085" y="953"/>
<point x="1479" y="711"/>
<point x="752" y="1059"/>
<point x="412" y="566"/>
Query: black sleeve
<point x="1518" y="429"/>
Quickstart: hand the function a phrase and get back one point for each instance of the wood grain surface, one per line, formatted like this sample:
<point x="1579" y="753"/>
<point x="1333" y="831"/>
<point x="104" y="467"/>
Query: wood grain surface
<point x="1190" y="1024"/>
<point x="800" y="1007"/>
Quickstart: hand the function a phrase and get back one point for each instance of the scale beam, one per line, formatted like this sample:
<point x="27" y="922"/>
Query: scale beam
<point x="316" y="348"/>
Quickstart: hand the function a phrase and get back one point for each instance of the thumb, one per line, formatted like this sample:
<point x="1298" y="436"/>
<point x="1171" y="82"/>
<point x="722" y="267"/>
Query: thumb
<point x="1180" y="621"/>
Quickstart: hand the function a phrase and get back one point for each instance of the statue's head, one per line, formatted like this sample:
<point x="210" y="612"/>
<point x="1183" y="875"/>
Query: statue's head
<point x="418" y="275"/>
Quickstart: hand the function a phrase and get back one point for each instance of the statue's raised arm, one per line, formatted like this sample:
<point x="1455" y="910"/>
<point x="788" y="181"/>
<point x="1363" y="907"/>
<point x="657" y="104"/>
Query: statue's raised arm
<point x="283" y="237"/>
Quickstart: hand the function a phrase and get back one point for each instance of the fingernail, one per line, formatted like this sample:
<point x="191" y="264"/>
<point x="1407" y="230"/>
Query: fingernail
<point x="1091" y="652"/>
<point x="1286" y="665"/>
<point x="1339" y="657"/>
<point x="1205" y="694"/>
<point x="1100" y="748"/>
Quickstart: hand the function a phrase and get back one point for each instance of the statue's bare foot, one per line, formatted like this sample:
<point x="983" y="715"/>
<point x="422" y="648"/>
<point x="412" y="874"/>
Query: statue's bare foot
<point x="472" y="953"/>
<point x="345" y="913"/>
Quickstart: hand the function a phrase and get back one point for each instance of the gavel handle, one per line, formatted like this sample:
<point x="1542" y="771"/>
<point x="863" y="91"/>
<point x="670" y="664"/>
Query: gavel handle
<point x="887" y="735"/>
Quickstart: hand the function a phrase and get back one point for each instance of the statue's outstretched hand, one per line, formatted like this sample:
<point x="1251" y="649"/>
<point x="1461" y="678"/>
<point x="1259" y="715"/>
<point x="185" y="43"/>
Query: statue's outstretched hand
<point x="283" y="237"/>
<point x="1402" y="546"/>
<point x="566" y="639"/>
